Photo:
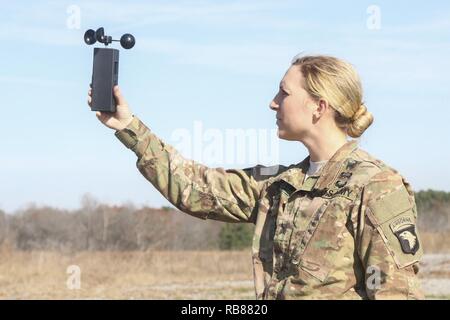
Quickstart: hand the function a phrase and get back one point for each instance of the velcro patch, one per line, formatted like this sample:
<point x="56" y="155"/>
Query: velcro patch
<point x="393" y="216"/>
<point x="390" y="205"/>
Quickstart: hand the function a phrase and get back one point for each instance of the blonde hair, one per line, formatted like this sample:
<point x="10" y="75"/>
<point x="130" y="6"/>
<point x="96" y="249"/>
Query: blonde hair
<point x="337" y="82"/>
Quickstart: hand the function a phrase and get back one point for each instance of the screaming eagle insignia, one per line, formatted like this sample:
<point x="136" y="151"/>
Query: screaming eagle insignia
<point x="405" y="231"/>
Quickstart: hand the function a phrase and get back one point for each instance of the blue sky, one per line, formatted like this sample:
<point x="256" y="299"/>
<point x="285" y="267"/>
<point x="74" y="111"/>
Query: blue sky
<point x="217" y="63"/>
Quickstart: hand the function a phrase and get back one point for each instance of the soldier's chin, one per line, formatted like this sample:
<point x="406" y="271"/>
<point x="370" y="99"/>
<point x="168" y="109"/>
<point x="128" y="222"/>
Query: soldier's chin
<point x="286" y="135"/>
<point x="281" y="133"/>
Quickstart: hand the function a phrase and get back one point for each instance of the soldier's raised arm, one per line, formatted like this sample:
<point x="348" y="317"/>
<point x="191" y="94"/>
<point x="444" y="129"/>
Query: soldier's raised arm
<point x="207" y="193"/>
<point x="388" y="242"/>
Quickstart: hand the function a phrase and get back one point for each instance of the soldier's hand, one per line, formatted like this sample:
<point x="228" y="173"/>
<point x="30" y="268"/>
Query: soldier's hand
<point x="119" y="119"/>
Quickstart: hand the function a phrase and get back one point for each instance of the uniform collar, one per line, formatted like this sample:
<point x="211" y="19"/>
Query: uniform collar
<point x="331" y="169"/>
<point x="295" y="175"/>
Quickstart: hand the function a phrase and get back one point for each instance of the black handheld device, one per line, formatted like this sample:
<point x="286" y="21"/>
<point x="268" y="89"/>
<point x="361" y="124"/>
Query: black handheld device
<point x="105" y="70"/>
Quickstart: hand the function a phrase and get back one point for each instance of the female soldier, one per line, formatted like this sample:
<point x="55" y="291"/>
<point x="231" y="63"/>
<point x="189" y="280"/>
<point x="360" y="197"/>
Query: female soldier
<point x="338" y="225"/>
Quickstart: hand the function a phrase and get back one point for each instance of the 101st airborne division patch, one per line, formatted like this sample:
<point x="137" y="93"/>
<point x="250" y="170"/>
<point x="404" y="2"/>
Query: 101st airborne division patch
<point x="405" y="231"/>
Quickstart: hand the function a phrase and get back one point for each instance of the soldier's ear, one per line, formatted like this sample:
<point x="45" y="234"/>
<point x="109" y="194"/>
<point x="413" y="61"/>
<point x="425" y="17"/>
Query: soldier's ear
<point x="320" y="108"/>
<point x="323" y="105"/>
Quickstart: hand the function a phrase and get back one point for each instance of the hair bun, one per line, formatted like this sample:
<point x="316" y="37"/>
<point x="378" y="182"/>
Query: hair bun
<point x="361" y="111"/>
<point x="360" y="121"/>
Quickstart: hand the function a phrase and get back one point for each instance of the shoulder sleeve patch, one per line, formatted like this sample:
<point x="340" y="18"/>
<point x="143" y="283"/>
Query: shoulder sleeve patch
<point x="390" y="205"/>
<point x="394" y="217"/>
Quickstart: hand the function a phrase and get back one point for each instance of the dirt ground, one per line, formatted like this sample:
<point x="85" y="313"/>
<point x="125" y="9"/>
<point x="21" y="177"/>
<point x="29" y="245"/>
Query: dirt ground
<point x="155" y="275"/>
<point x="435" y="275"/>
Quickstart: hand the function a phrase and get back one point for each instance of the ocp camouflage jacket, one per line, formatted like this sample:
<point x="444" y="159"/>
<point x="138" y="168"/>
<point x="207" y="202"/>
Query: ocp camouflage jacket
<point x="348" y="232"/>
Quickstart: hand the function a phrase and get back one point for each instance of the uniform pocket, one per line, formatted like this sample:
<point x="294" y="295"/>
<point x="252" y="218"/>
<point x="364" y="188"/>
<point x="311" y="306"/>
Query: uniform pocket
<point x="325" y="241"/>
<point x="402" y="238"/>
<point x="394" y="216"/>
<point x="304" y="213"/>
<point x="304" y="283"/>
<point x="315" y="269"/>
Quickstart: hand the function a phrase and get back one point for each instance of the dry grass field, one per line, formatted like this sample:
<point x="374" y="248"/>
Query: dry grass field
<point x="156" y="275"/>
<point x="129" y="252"/>
<point x="127" y="275"/>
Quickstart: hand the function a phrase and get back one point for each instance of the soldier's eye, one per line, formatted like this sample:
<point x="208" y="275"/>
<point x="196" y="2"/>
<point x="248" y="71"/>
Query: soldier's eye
<point x="283" y="92"/>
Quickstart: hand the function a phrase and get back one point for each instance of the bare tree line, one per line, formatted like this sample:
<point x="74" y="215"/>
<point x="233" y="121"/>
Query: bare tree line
<point x="98" y="226"/>
<point x="102" y="227"/>
<point x="436" y="218"/>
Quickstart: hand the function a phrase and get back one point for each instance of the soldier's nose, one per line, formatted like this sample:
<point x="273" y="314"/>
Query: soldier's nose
<point x="273" y="105"/>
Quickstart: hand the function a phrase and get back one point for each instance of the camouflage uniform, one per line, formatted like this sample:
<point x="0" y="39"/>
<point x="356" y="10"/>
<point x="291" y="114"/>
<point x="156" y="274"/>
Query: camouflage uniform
<point x="348" y="232"/>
